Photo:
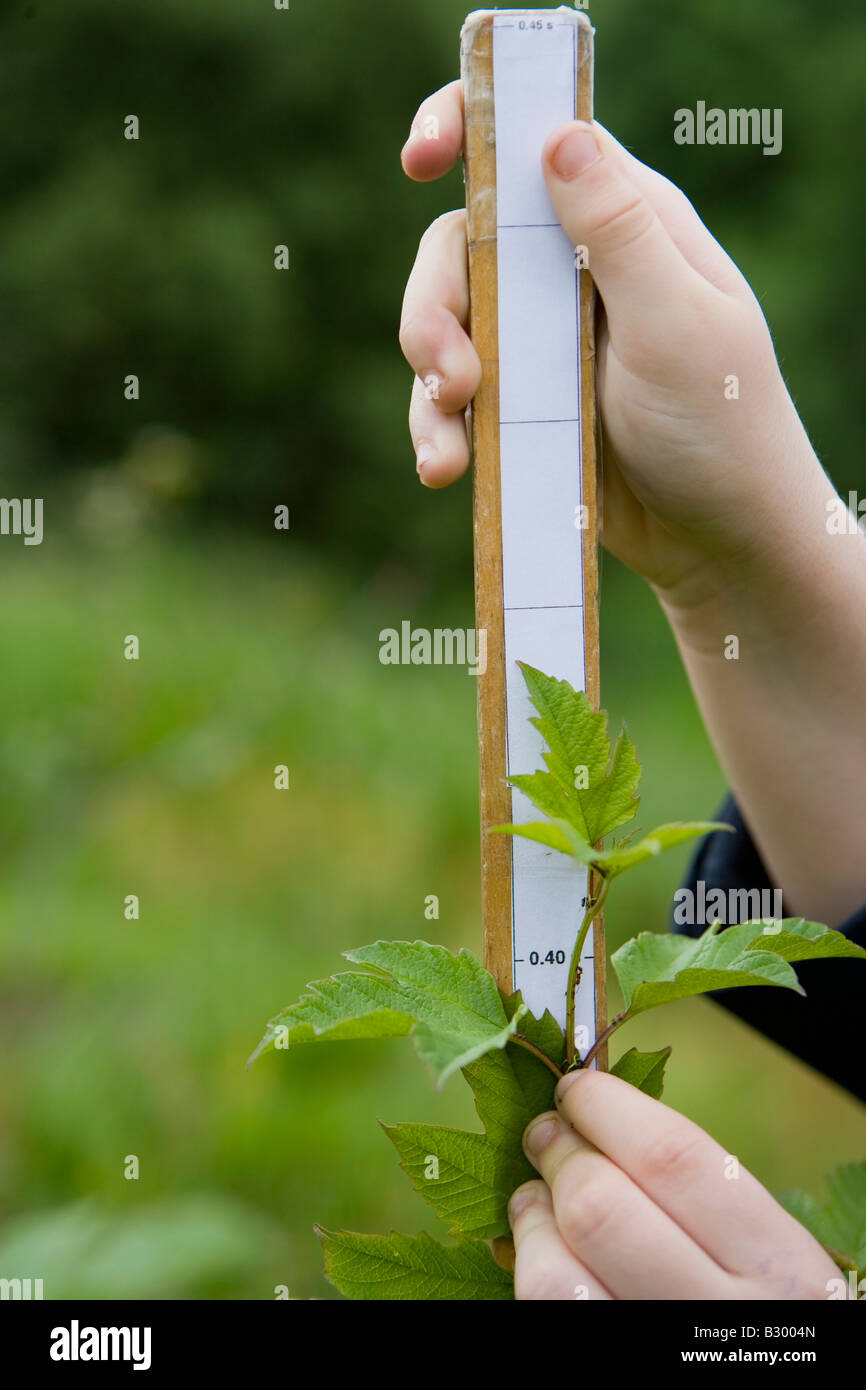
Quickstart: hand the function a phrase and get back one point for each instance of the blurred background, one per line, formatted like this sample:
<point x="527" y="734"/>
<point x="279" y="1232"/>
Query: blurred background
<point x="260" y="388"/>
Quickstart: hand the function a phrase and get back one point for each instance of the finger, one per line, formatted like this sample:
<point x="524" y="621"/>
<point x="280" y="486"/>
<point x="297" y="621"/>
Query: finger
<point x="684" y="1171"/>
<point x="679" y="218"/>
<point x="641" y="274"/>
<point x="545" y="1268"/>
<point x="435" y="310"/>
<point x="629" y="1243"/>
<point x="436" y="135"/>
<point x="440" y="442"/>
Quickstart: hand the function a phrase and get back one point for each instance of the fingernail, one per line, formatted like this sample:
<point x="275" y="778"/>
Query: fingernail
<point x="540" y="1134"/>
<point x="425" y="453"/>
<point x="575" y="152"/>
<point x="521" y="1199"/>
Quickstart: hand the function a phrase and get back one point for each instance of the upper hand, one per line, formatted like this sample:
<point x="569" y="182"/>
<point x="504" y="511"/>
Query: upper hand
<point x="691" y="477"/>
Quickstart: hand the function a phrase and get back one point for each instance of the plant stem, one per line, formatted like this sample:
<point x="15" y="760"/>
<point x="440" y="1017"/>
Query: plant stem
<point x="575" y="970"/>
<point x="537" y="1052"/>
<point x="603" y="1037"/>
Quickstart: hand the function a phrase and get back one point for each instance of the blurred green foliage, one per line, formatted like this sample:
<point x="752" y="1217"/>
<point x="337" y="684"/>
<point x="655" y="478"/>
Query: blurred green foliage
<point x="261" y="127"/>
<point x="156" y="777"/>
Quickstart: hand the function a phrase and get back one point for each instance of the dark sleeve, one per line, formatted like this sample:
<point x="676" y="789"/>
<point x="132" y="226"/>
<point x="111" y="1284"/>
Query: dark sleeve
<point x="824" y="1029"/>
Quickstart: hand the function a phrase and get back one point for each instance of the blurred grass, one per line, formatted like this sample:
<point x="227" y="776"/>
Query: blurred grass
<point x="156" y="778"/>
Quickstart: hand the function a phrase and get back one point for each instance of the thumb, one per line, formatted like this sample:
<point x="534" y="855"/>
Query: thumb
<point x="631" y="257"/>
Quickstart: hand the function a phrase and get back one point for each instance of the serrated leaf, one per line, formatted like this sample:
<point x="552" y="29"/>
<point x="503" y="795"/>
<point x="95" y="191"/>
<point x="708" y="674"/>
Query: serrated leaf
<point x="576" y="737"/>
<point x="412" y="1267"/>
<point x="841" y="1223"/>
<point x="795" y="939"/>
<point x="546" y="795"/>
<point x="477" y="1173"/>
<point x="656" y="968"/>
<point x="466" y="1179"/>
<point x="646" y="1070"/>
<point x="449" y="1004"/>
<point x="653" y="968"/>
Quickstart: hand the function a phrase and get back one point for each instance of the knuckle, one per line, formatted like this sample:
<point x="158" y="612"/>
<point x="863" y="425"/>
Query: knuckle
<point x="624" y="224"/>
<point x="586" y="1212"/>
<point x="673" y="1154"/>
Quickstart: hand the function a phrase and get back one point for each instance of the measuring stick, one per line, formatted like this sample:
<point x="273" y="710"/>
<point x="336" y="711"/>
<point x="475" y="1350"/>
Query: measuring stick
<point x="534" y="442"/>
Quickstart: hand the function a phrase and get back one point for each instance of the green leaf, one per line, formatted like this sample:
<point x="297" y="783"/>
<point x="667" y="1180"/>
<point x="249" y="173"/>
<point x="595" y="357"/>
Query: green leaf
<point x="654" y="969"/>
<point x="813" y="1216"/>
<point x="646" y="1070"/>
<point x="553" y="833"/>
<point x="412" y="1267"/>
<point x="512" y="1087"/>
<point x="560" y="835"/>
<point x="847" y="1188"/>
<point x="466" y="1179"/>
<point x="841" y="1223"/>
<point x="576" y="737"/>
<point x="623" y="857"/>
<point x="795" y="939"/>
<point x="546" y="795"/>
<point x="477" y="1173"/>
<point x="449" y="1004"/>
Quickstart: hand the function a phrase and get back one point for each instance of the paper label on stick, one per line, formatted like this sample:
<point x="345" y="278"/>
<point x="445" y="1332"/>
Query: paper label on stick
<point x="535" y="84"/>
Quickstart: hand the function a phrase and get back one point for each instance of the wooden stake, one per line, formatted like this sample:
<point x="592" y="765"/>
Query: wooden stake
<point x="481" y="200"/>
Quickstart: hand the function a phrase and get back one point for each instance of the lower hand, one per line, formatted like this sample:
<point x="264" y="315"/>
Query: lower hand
<point x="638" y="1202"/>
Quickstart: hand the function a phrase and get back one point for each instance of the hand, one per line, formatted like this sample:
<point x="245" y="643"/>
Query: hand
<point x="637" y="1202"/>
<point x="691" y="478"/>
